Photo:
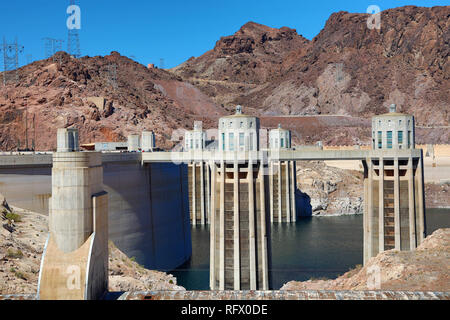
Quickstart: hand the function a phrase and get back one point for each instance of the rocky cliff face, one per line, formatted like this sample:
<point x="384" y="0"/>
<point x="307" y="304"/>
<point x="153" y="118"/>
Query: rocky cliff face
<point x="332" y="191"/>
<point x="53" y="95"/>
<point x="347" y="69"/>
<point x="425" y="269"/>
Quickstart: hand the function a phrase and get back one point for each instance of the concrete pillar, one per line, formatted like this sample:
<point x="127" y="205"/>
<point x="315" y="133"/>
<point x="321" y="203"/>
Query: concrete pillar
<point x="75" y="259"/>
<point x="411" y="205"/>
<point x="251" y="221"/>
<point x="67" y="140"/>
<point x="212" y="245"/>
<point x="202" y="193"/>
<point x="288" y="194"/>
<point x="293" y="188"/>
<point x="370" y="208"/>
<point x="236" y="251"/>
<point x="222" y="227"/>
<point x="271" y="190"/>
<point x="134" y="143"/>
<point x="421" y="201"/>
<point x="264" y="249"/>
<point x="208" y="194"/>
<point x="381" y="204"/>
<point x="279" y="193"/>
<point x="397" y="204"/>
<point x="148" y="141"/>
<point x="366" y="229"/>
<point x="194" y="194"/>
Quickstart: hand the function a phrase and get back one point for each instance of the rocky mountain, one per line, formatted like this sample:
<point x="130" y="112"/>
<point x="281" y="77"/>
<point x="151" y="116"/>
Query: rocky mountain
<point x="65" y="92"/>
<point x="324" y="89"/>
<point x="347" y="69"/>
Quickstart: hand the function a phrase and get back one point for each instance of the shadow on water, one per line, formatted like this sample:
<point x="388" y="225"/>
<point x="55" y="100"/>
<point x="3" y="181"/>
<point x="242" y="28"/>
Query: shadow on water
<point x="313" y="247"/>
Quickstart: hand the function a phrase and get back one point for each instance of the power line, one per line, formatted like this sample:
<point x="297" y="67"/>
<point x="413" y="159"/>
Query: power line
<point x="52" y="46"/>
<point x="11" y="53"/>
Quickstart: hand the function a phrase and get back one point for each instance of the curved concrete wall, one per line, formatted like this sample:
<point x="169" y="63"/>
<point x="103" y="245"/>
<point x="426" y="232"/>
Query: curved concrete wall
<point x="148" y="207"/>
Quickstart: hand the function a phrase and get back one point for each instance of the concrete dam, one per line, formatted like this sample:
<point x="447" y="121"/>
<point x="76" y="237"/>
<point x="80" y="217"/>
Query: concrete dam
<point x="148" y="204"/>
<point x="145" y="201"/>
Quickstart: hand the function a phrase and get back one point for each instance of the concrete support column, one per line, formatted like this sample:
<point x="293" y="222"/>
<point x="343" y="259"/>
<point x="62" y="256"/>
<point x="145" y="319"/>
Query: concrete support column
<point x="264" y="253"/>
<point x="279" y="193"/>
<point x="236" y="251"/>
<point x="208" y="194"/>
<point x="251" y="221"/>
<point x="411" y="205"/>
<point x="293" y="188"/>
<point x="271" y="190"/>
<point x="212" y="246"/>
<point x="222" y="227"/>
<point x="78" y="230"/>
<point x="194" y="194"/>
<point x="288" y="194"/>
<point x="397" y="205"/>
<point x="381" y="204"/>
<point x="370" y="209"/>
<point x="421" y="201"/>
<point x="202" y="193"/>
<point x="366" y="214"/>
<point x="76" y="176"/>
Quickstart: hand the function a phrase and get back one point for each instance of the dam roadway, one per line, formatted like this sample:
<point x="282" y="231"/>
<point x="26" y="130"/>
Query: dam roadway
<point x="14" y="160"/>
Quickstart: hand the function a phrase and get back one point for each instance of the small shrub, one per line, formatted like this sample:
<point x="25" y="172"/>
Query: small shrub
<point x="133" y="259"/>
<point x="20" y="275"/>
<point x="13" y="216"/>
<point x="12" y="254"/>
<point x="171" y="281"/>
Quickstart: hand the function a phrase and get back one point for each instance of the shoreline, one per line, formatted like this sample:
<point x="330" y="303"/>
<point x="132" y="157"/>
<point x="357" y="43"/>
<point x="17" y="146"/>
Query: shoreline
<point x="357" y="214"/>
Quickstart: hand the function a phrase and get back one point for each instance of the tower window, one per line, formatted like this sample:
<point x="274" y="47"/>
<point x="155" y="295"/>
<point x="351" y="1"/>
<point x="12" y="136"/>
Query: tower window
<point x="400" y="137"/>
<point x="231" y="141"/>
<point x="241" y="139"/>
<point x="223" y="141"/>
<point x="380" y="141"/>
<point x="282" y="143"/>
<point x="389" y="139"/>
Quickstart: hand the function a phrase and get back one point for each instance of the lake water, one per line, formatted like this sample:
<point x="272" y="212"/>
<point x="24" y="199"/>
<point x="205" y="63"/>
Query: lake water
<point x="315" y="247"/>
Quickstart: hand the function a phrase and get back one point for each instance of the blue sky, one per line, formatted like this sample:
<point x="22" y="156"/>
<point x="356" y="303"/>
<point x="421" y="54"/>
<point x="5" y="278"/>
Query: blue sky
<point x="173" y="30"/>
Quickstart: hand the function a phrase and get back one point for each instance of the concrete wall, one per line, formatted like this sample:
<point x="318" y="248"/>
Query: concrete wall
<point x="148" y="223"/>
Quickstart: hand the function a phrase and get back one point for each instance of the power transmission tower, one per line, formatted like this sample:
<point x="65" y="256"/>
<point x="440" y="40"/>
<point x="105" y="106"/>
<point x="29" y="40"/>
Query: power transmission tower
<point x="73" y="40"/>
<point x="11" y="60"/>
<point x="29" y="58"/>
<point x="51" y="47"/>
<point x="161" y="63"/>
<point x="112" y="75"/>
